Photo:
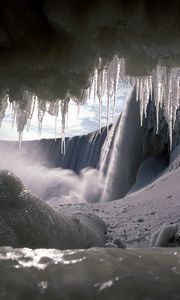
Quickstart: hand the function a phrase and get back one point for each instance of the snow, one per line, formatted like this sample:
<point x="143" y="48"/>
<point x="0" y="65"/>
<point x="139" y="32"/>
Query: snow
<point x="136" y="217"/>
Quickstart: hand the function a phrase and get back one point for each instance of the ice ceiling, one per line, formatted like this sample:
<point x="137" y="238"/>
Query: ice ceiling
<point x="56" y="49"/>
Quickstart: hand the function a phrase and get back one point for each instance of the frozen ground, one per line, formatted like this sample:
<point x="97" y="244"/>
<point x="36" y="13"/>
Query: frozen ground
<point x="137" y="216"/>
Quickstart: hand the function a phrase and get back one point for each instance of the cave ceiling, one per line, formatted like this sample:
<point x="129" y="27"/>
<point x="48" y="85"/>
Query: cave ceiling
<point x="51" y="47"/>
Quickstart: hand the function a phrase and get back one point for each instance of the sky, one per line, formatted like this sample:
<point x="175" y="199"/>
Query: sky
<point x="82" y="120"/>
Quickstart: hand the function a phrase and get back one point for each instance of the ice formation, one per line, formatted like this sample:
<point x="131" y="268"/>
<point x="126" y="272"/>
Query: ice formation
<point x="126" y="152"/>
<point x="162" y="86"/>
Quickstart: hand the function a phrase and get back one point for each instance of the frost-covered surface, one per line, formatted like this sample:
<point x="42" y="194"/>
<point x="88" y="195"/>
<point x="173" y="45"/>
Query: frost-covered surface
<point x="89" y="274"/>
<point x="26" y="221"/>
<point x="137" y="216"/>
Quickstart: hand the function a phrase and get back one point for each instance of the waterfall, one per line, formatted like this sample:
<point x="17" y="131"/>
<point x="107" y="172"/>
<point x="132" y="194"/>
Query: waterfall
<point x="81" y="151"/>
<point x="107" y="148"/>
<point x="125" y="152"/>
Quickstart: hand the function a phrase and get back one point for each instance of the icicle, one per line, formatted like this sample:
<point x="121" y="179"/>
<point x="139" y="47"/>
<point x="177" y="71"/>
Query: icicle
<point x="108" y="95"/>
<point x="63" y="145"/>
<point x="162" y="87"/>
<point x="108" y="111"/>
<point x="100" y="115"/>
<point x="55" y="129"/>
<point x="78" y="110"/>
<point x="95" y="84"/>
<point x="3" y="106"/>
<point x="34" y="100"/>
<point x="13" y="116"/>
<point x="53" y="110"/>
<point x="20" y="134"/>
<point x="64" y="111"/>
<point x="22" y="110"/>
<point x="116" y="70"/>
<point x="100" y="92"/>
<point x="41" y="113"/>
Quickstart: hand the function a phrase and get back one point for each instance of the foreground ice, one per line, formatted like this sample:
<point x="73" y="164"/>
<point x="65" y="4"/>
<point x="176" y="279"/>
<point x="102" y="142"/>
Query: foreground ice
<point x="108" y="274"/>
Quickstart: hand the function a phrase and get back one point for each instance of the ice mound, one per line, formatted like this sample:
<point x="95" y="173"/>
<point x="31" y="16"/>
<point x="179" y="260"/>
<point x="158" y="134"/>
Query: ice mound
<point x="26" y="221"/>
<point x="163" y="235"/>
<point x="89" y="274"/>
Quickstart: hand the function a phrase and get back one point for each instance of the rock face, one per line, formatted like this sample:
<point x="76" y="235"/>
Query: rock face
<point x="81" y="151"/>
<point x="26" y="221"/>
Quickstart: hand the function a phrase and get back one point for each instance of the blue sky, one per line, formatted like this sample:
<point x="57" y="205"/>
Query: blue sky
<point x="86" y="121"/>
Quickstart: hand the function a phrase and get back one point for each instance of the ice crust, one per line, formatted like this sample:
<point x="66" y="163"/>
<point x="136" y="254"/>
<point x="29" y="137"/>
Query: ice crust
<point x="89" y="274"/>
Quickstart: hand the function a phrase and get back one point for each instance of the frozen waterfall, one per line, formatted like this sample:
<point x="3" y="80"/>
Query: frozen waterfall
<point x="81" y="151"/>
<point x="126" y="152"/>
